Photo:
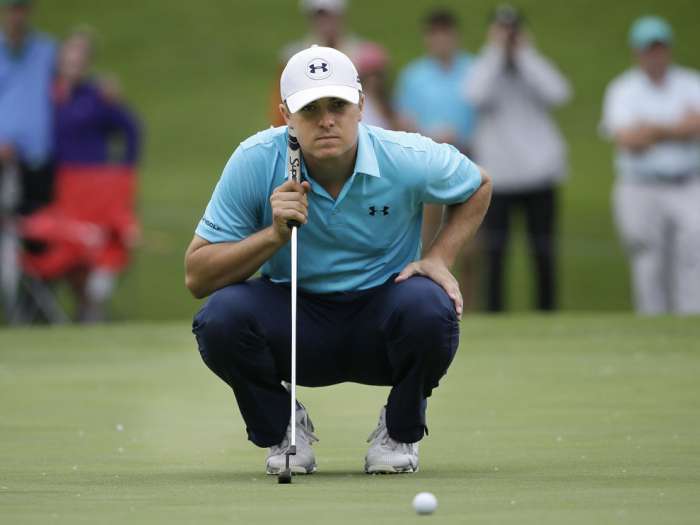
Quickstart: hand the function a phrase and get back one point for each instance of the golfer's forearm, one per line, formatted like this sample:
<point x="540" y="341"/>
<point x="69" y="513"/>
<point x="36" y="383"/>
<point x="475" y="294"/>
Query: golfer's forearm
<point x="462" y="222"/>
<point x="214" y="266"/>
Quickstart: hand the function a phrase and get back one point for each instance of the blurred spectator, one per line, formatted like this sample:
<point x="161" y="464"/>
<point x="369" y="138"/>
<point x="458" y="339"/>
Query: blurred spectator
<point x="27" y="62"/>
<point x="89" y="115"/>
<point x="326" y="28"/>
<point x="514" y="87"/>
<point x="652" y="114"/>
<point x="90" y="120"/>
<point x="428" y="90"/>
<point x="428" y="100"/>
<point x="372" y="62"/>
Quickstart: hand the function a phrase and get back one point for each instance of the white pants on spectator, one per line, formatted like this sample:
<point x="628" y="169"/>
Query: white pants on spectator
<point x="659" y="223"/>
<point x="98" y="290"/>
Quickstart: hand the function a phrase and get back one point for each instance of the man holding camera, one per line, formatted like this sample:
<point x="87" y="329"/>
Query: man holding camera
<point x="514" y="88"/>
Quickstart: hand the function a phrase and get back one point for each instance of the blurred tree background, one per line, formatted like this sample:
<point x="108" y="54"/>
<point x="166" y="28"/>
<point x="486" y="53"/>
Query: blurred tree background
<point x="200" y="75"/>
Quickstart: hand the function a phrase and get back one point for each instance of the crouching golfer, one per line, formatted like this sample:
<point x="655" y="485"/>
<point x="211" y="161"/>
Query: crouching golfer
<point x="371" y="308"/>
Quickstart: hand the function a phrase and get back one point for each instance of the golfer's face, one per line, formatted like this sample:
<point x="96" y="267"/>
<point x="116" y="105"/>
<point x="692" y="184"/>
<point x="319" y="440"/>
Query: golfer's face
<point x="327" y="127"/>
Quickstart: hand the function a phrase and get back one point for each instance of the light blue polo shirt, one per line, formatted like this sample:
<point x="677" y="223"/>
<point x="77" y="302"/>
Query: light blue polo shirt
<point x="432" y="96"/>
<point x="359" y="240"/>
<point x="26" y="113"/>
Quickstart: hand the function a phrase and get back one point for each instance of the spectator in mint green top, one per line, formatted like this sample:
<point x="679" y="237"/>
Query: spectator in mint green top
<point x="428" y="99"/>
<point x="428" y="90"/>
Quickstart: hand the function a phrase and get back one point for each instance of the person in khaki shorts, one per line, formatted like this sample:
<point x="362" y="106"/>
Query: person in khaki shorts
<point x="652" y="114"/>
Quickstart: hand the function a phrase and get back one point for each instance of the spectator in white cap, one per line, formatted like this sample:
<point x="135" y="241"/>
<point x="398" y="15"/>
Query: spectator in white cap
<point x="374" y="308"/>
<point x="326" y="28"/>
<point x="651" y="113"/>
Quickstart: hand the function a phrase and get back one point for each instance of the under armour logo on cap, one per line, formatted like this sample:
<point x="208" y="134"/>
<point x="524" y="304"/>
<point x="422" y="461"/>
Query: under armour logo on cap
<point x="318" y="69"/>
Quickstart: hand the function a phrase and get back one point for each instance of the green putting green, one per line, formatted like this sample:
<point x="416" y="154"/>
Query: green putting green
<point x="565" y="419"/>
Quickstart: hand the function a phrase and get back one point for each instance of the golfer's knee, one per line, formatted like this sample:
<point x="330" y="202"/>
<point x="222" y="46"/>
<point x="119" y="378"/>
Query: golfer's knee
<point x="432" y="328"/>
<point x="220" y="321"/>
<point x="430" y="320"/>
<point x="424" y="305"/>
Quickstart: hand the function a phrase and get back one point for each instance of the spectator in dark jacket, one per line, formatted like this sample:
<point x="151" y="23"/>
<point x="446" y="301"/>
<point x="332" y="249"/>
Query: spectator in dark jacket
<point x="514" y="88"/>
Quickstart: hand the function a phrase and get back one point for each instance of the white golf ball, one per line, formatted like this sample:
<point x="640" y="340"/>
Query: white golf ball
<point x="425" y="503"/>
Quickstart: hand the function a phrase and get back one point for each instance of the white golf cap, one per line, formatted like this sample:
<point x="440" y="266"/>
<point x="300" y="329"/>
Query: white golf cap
<point x="318" y="72"/>
<point x="332" y="6"/>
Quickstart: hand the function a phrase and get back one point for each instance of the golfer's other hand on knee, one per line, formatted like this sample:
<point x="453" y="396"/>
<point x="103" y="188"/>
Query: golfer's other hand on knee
<point x="438" y="271"/>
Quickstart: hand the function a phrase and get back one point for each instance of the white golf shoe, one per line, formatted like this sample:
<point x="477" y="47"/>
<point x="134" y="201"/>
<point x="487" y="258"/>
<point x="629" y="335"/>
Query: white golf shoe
<point x="387" y="456"/>
<point x="304" y="461"/>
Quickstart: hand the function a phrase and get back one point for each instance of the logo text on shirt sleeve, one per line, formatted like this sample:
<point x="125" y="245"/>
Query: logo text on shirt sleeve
<point x="211" y="224"/>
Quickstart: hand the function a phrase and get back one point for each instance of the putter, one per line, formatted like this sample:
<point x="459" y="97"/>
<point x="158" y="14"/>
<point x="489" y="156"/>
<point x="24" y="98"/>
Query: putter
<point x="293" y="170"/>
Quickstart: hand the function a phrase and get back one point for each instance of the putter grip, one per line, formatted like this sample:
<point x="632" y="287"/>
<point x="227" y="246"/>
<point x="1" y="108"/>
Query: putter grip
<point x="293" y="165"/>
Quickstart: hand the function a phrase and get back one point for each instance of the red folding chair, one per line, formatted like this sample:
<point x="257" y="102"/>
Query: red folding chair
<point x="91" y="223"/>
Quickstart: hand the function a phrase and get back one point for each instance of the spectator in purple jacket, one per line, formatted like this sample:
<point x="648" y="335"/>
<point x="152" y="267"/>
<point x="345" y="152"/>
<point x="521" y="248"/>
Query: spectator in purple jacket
<point x="88" y="115"/>
<point x="90" y="121"/>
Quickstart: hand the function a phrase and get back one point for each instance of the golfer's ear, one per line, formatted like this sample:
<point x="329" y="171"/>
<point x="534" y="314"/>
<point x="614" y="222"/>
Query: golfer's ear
<point x="361" y="104"/>
<point x="284" y="112"/>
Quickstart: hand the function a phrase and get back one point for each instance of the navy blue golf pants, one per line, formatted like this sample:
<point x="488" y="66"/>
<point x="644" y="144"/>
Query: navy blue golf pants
<point x="402" y="335"/>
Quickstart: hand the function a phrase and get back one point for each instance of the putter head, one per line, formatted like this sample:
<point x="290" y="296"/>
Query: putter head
<point x="284" y="477"/>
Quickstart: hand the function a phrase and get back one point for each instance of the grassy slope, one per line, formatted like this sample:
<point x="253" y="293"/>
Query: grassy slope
<point x="583" y="419"/>
<point x="200" y="75"/>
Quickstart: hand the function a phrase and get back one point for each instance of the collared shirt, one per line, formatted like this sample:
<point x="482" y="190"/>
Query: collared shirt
<point x="431" y="95"/>
<point x="369" y="232"/>
<point x="633" y="99"/>
<point x="25" y="96"/>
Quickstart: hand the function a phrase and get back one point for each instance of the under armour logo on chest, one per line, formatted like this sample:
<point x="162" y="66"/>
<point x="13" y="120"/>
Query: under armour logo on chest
<point x="373" y="210"/>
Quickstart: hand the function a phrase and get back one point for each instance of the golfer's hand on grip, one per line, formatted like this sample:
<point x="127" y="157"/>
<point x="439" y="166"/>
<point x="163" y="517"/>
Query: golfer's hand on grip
<point x="289" y="203"/>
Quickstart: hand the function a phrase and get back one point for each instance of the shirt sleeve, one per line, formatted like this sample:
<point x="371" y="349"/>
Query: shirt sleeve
<point x="480" y="81"/>
<point x="694" y="95"/>
<point x="119" y="119"/>
<point x="543" y="77"/>
<point x="235" y="209"/>
<point x="450" y="176"/>
<point x="618" y="111"/>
